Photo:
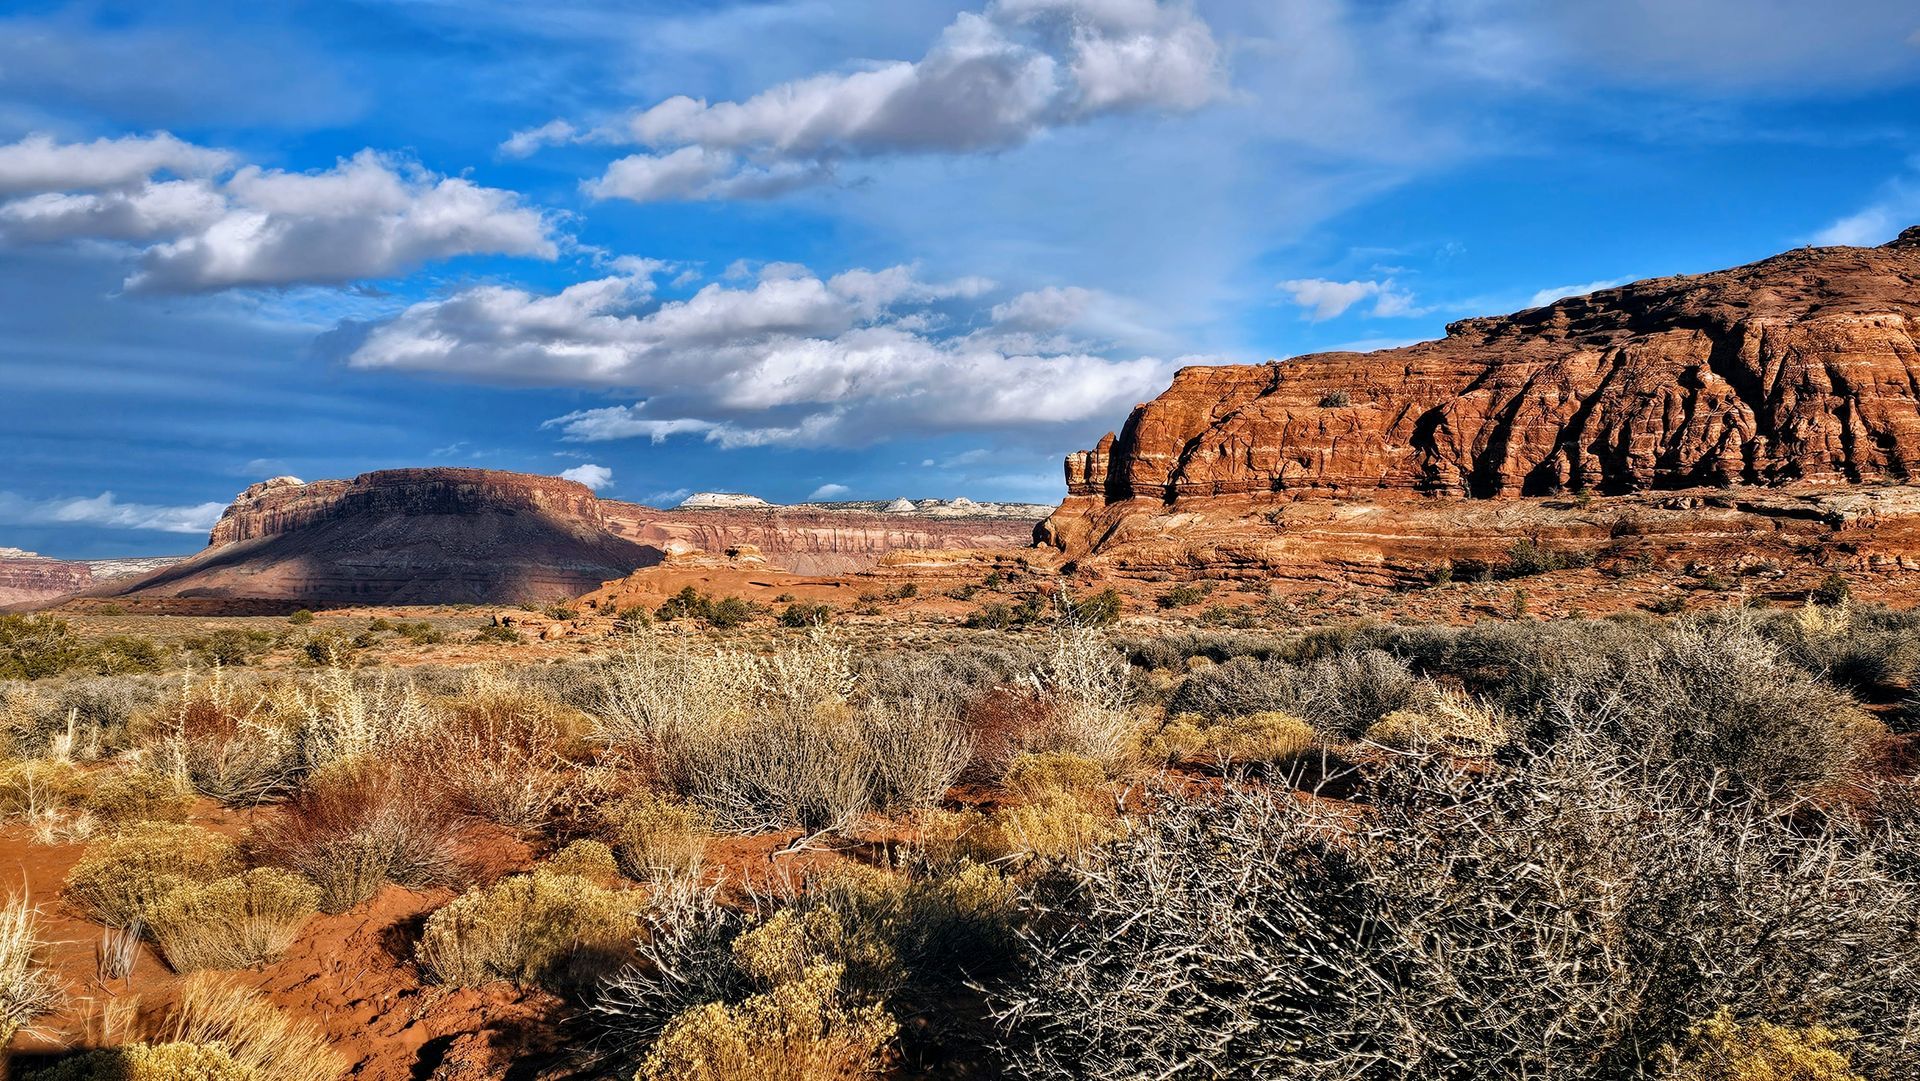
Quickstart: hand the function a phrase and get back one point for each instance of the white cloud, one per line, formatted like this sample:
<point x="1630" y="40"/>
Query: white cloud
<point x="789" y="358"/>
<point x="1049" y="309"/>
<point x="595" y="477"/>
<point x="370" y="216"/>
<point x="1558" y="292"/>
<point x="522" y="143"/>
<point x="1327" y="299"/>
<point x="107" y="511"/>
<point x="830" y="491"/>
<point x="1897" y="207"/>
<point x="39" y="164"/>
<point x="992" y="80"/>
<point x="666" y="498"/>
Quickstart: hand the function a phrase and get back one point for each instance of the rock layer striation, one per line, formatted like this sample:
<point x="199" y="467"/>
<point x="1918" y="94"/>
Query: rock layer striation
<point x="1801" y="371"/>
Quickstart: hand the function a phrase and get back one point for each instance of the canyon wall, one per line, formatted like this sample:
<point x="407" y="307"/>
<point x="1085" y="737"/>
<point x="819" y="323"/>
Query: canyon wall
<point x="27" y="578"/>
<point x="1800" y="372"/>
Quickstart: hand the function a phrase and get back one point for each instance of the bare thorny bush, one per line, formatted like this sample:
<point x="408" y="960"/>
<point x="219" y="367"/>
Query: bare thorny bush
<point x="1562" y="917"/>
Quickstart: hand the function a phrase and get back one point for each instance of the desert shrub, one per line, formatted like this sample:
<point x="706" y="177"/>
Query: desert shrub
<point x="331" y="648"/>
<point x="1719" y="701"/>
<point x="805" y="614"/>
<point x="175" y="1061"/>
<point x="900" y="937"/>
<point x="1184" y="594"/>
<point x="499" y="753"/>
<point x="762" y="742"/>
<point x="993" y="616"/>
<point x="229" y="742"/>
<point x="801" y="1030"/>
<point x="558" y="931"/>
<point x="1528" y="557"/>
<point x="1266" y="741"/>
<point x="730" y="611"/>
<point x="689" y="603"/>
<point x="229" y="647"/>
<point x="1240" y="687"/>
<point x="235" y="922"/>
<point x="1444" y="720"/>
<point x="685" y="962"/>
<point x="1564" y="916"/>
<point x="919" y="749"/>
<point x="1173" y="651"/>
<point x="497" y="633"/>
<point x="27" y="989"/>
<point x="1347" y="692"/>
<point x="360" y="825"/>
<point x="585" y="858"/>
<point x="654" y="836"/>
<point x="272" y="1045"/>
<point x="1100" y="609"/>
<point x="345" y="717"/>
<point x="1834" y="589"/>
<point x="1062" y="810"/>
<point x="120" y="879"/>
<point x="300" y="617"/>
<point x="1091" y="688"/>
<point x="33" y="647"/>
<point x="58" y="800"/>
<point x="1723" y="1049"/>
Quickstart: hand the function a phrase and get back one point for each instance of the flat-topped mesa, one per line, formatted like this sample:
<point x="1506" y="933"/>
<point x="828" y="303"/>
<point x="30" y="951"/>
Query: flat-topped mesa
<point x="1798" y="368"/>
<point x="284" y="504"/>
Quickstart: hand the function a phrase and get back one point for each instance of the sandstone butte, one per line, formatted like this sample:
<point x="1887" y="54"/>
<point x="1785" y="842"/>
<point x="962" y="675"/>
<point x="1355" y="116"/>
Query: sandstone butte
<point x="445" y="535"/>
<point x="1770" y="406"/>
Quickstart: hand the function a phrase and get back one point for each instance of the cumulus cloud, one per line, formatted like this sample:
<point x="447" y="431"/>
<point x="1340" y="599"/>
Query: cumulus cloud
<point x="37" y="163"/>
<point x="370" y="216"/>
<point x="993" y="80"/>
<point x="595" y="477"/>
<point x="789" y="358"/>
<point x="830" y="491"/>
<point x="1325" y="299"/>
<point x="106" y="510"/>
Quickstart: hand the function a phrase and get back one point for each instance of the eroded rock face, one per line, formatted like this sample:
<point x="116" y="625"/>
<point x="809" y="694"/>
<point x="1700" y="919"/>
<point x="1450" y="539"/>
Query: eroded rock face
<point x="809" y="540"/>
<point x="27" y="578"/>
<point x="1799" y="370"/>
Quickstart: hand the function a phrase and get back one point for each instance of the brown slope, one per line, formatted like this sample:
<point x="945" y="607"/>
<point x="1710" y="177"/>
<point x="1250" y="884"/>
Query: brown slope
<point x="1799" y="371"/>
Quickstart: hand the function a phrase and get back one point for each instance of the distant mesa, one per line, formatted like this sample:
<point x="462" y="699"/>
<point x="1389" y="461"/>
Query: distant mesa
<point x="449" y="536"/>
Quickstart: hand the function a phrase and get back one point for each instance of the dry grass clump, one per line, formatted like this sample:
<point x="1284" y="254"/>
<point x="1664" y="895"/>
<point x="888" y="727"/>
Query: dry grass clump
<point x="27" y="989"/>
<point x="60" y="801"/>
<point x="177" y="1061"/>
<point x="1259" y="740"/>
<point x="1446" y="721"/>
<point x="360" y="825"/>
<point x="798" y="1030"/>
<point x="237" y="745"/>
<point x="120" y="879"/>
<point x="585" y="858"/>
<point x="655" y="836"/>
<point x="1063" y="808"/>
<point x="559" y="931"/>
<point x="271" y="1044"/>
<point x="233" y="922"/>
<point x="776" y="741"/>
<point x="1723" y="1049"/>
<point x="345" y="719"/>
<point x="1091" y="688"/>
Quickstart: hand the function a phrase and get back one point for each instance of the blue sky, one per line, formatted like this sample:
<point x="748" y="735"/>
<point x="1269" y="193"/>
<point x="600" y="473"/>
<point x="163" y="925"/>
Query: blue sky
<point x="866" y="249"/>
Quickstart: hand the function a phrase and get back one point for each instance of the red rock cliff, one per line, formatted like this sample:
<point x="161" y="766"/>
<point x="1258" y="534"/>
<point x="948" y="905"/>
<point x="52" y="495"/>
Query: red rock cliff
<point x="1799" y="369"/>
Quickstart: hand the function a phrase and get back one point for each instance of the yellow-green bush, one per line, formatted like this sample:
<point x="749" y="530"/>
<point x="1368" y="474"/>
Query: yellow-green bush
<point x="1447" y="721"/>
<point x="556" y="930"/>
<point x="62" y="801"/>
<point x="234" y="922"/>
<point x="176" y="1061"/>
<point x="1040" y="776"/>
<point x="588" y="859"/>
<point x="654" y="836"/>
<point x="1723" y="1049"/>
<point x="1257" y="739"/>
<point x="121" y="878"/>
<point x="803" y="1029"/>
